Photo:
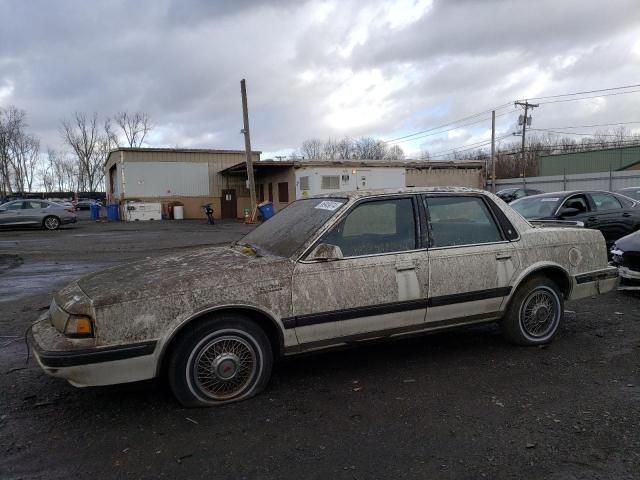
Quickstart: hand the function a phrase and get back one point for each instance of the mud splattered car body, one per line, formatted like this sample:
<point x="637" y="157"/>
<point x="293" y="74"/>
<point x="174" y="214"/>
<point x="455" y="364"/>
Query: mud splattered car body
<point x="324" y="272"/>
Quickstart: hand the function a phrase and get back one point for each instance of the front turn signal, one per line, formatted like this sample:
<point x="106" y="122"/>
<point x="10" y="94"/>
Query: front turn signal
<point x="79" y="327"/>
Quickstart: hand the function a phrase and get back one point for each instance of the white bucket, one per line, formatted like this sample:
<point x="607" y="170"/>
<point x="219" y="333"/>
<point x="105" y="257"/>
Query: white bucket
<point x="178" y="212"/>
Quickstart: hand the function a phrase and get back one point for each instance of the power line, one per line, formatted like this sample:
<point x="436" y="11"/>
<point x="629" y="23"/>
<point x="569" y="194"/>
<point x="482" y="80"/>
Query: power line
<point x="589" y="126"/>
<point x="585" y="92"/>
<point x="587" y="98"/>
<point x="449" y="129"/>
<point x="584" y="134"/>
<point x="450" y="123"/>
<point x="464" y="148"/>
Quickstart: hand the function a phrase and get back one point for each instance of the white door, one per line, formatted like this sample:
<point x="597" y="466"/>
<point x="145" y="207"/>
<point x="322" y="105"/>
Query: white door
<point x="471" y="263"/>
<point x="379" y="287"/>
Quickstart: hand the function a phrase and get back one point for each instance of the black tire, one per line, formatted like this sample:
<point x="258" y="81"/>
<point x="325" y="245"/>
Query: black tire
<point x="534" y="313"/>
<point x="51" y="223"/>
<point x="208" y="364"/>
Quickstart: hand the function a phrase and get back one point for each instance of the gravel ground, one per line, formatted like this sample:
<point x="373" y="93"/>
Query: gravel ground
<point x="462" y="404"/>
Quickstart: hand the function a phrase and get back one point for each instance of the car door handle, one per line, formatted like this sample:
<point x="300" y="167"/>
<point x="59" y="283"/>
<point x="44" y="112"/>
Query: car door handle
<point x="626" y="214"/>
<point x="503" y="256"/>
<point x="406" y="265"/>
<point x="592" y="219"/>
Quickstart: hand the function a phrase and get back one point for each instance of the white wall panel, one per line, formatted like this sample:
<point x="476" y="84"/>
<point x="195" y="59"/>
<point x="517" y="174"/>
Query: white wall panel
<point x="165" y="179"/>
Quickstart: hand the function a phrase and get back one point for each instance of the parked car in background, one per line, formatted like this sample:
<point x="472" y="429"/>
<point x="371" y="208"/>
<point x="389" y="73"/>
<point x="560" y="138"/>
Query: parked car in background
<point x="625" y="254"/>
<point x="631" y="192"/>
<point x="86" y="204"/>
<point x="35" y="213"/>
<point x="511" y="194"/>
<point x="324" y="272"/>
<point x="614" y="215"/>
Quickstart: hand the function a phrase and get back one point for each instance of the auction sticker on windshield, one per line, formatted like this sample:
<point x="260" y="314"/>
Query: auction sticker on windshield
<point x="327" y="205"/>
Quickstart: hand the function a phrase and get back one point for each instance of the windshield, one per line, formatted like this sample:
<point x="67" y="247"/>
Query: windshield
<point x="287" y="231"/>
<point x="536" y="207"/>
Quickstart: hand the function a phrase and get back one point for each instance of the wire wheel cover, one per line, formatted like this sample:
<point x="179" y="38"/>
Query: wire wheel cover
<point x="224" y="367"/>
<point x="539" y="313"/>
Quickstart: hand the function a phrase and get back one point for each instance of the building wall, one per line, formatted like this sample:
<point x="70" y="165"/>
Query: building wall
<point x="190" y="177"/>
<point x="449" y="177"/>
<point x="611" y="181"/>
<point x="276" y="176"/>
<point x="588" y="162"/>
<point x="349" y="179"/>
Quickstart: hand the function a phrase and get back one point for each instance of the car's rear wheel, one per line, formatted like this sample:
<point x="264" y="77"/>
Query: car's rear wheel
<point x="534" y="313"/>
<point x="224" y="360"/>
<point x="51" y="223"/>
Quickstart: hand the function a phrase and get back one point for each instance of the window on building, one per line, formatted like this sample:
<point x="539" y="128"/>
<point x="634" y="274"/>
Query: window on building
<point x="304" y="183"/>
<point x="283" y="191"/>
<point x="271" y="192"/>
<point x="460" y="221"/>
<point x="330" y="182"/>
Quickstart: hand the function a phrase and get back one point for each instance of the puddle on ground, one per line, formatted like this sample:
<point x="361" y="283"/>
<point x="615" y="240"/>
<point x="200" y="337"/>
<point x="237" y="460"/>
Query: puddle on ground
<point x="42" y="277"/>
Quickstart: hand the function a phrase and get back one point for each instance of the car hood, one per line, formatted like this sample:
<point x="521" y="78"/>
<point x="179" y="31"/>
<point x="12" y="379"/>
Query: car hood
<point x="204" y="268"/>
<point x="630" y="243"/>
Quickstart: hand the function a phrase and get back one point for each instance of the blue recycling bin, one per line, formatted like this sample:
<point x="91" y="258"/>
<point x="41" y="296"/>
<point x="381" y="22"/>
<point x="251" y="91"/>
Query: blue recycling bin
<point x="266" y="210"/>
<point x="112" y="212"/>
<point x="95" y="211"/>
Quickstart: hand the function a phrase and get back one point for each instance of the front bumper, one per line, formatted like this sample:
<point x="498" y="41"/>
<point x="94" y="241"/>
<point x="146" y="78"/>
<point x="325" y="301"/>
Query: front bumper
<point x="594" y="283"/>
<point x="84" y="365"/>
<point x="629" y="279"/>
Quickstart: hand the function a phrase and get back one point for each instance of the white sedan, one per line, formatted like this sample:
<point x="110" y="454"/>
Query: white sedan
<point x="324" y="272"/>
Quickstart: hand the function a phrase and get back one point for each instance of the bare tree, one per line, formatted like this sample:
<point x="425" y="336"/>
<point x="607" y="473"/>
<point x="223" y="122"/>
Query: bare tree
<point x="312" y="149"/>
<point x="394" y="152"/>
<point x="91" y="143"/>
<point x="18" y="152"/>
<point x="135" y="127"/>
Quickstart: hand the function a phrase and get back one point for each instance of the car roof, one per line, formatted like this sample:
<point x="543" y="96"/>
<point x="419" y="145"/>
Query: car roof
<point x="390" y="191"/>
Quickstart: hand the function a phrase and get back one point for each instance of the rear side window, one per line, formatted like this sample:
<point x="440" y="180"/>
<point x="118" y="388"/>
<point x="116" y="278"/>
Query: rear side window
<point x="460" y="221"/>
<point x="605" y="201"/>
<point x="376" y="227"/>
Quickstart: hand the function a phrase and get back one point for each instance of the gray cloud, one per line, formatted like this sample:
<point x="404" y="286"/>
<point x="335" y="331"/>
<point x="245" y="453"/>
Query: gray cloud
<point x="314" y="69"/>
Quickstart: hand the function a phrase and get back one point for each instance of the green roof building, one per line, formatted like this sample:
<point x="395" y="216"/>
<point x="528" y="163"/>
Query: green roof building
<point x="619" y="158"/>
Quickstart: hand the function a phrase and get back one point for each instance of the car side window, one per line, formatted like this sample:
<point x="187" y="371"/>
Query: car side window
<point x="34" y="204"/>
<point x="458" y="220"/>
<point x="376" y="227"/>
<point x="577" y="201"/>
<point x="14" y="206"/>
<point x="605" y="201"/>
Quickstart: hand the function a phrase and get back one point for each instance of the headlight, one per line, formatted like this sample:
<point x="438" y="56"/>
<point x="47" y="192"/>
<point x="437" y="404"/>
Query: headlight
<point x="78" y="327"/>
<point x="616" y="254"/>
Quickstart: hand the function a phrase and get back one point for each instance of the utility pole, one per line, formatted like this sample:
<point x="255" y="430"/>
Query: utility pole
<point x="493" y="151"/>
<point x="526" y="106"/>
<point x="247" y="147"/>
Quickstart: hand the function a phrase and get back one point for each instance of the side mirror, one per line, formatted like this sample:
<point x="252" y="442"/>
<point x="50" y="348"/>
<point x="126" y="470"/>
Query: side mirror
<point x="569" y="212"/>
<point x="325" y="252"/>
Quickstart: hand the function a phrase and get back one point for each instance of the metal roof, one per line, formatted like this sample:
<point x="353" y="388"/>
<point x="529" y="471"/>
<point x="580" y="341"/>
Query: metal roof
<point x="416" y="164"/>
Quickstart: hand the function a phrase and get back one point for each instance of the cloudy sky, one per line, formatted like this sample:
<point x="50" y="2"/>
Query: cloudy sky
<point x="317" y="68"/>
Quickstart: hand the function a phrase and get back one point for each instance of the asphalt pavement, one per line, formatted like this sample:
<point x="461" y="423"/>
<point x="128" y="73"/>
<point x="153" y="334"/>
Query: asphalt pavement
<point x="461" y="404"/>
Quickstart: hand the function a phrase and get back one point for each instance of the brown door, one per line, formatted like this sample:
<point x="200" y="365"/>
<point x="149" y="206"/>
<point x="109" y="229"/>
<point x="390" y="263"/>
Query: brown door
<point x="229" y="204"/>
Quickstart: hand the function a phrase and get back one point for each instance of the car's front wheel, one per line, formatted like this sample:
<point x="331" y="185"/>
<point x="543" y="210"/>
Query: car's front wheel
<point x="226" y="359"/>
<point x="534" y="313"/>
<point x="51" y="223"/>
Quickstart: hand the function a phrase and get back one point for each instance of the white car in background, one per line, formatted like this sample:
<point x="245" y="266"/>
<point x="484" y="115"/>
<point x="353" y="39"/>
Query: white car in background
<point x="36" y="213"/>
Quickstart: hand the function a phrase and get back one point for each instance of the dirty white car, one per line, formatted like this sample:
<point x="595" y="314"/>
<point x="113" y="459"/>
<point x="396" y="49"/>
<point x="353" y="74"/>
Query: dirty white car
<point x="325" y="271"/>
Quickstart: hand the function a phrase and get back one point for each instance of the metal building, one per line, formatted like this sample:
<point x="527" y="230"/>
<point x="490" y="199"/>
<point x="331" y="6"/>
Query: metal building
<point x="605" y="160"/>
<point x="190" y="177"/>
<point x="282" y="182"/>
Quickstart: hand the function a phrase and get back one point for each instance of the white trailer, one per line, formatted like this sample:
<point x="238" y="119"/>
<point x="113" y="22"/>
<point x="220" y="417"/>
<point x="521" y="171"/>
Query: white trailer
<point x="315" y="180"/>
